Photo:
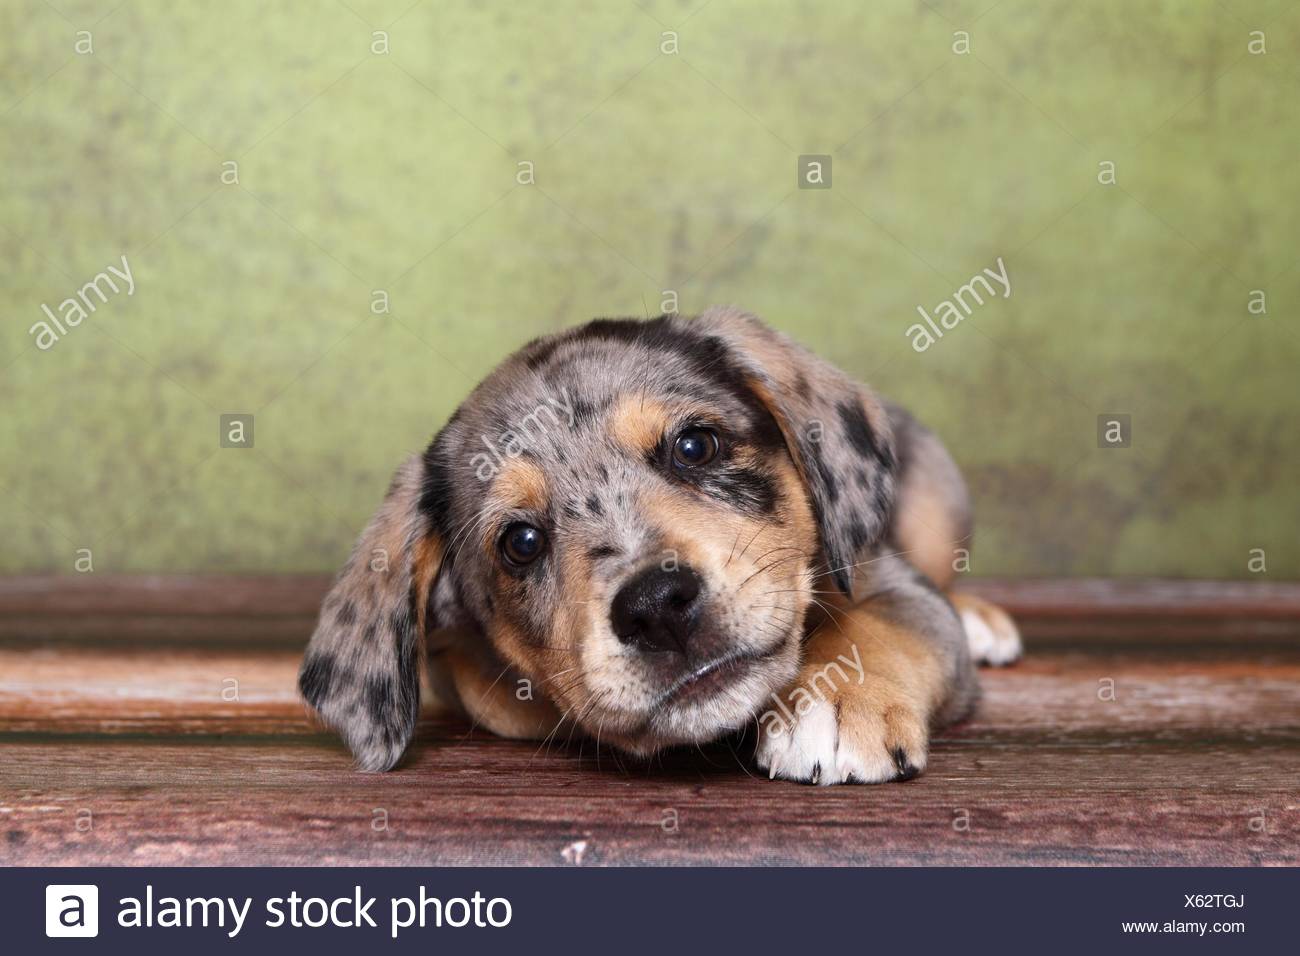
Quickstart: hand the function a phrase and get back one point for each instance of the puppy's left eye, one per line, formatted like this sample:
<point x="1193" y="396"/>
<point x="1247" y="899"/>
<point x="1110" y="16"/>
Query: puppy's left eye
<point x="523" y="544"/>
<point x="695" y="447"/>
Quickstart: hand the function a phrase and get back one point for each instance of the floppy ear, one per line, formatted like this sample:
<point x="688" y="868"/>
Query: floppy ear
<point x="361" y="672"/>
<point x="837" y="431"/>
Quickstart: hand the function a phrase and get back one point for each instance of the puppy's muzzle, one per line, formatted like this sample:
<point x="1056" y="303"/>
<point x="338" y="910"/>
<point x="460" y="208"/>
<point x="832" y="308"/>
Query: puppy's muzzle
<point x="658" y="609"/>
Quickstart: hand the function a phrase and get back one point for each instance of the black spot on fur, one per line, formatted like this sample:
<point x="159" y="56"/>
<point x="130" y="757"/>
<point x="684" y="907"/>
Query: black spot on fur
<point x="858" y="431"/>
<point x="408" y="674"/>
<point x="584" y="412"/>
<point x="380" y="698"/>
<point x="653" y="333"/>
<point x="402" y="622"/>
<point x="317" y="679"/>
<point x="823" y="479"/>
<point x="603" y="551"/>
<point x="347" y="615"/>
<point x="649" y="332"/>
<point x="540" y="355"/>
<point x="749" y="490"/>
<point x="435" y="486"/>
<point x="593" y="505"/>
<point x="539" y="351"/>
<point x="882" y="500"/>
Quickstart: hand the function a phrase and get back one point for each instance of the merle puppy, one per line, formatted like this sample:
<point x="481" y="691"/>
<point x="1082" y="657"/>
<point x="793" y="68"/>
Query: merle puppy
<point x="667" y="530"/>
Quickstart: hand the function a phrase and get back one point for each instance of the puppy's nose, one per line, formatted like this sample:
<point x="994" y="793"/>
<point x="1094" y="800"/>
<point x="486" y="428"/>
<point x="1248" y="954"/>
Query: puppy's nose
<point x="656" y="610"/>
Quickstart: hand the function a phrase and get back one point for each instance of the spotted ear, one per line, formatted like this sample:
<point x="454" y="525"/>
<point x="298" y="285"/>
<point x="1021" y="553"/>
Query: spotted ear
<point x="361" y="671"/>
<point x="837" y="431"/>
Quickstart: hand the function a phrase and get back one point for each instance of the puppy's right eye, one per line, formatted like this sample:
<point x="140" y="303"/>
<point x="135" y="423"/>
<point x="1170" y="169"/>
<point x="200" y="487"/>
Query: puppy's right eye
<point x="522" y="543"/>
<point x="695" y="447"/>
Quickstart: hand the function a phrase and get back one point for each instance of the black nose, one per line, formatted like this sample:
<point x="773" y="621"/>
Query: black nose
<point x="656" y="610"/>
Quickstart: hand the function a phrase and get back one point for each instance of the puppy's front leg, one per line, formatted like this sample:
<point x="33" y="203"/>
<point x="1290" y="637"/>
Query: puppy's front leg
<point x="876" y="679"/>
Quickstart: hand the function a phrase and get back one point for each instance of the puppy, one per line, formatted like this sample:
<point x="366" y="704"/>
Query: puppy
<point x="659" y="532"/>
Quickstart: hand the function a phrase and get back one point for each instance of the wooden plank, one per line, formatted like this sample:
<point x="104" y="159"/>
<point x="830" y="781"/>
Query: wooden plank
<point x="132" y="594"/>
<point x="1147" y="608"/>
<point x="163" y="608"/>
<point x="1195" y="748"/>
<point x="1142" y="597"/>
<point x="1123" y="799"/>
<point x="282" y="609"/>
<point x="70" y="689"/>
<point x="143" y="690"/>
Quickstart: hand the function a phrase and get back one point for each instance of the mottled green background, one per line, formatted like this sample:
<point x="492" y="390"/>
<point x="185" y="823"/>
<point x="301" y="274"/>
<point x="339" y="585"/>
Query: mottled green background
<point x="361" y="171"/>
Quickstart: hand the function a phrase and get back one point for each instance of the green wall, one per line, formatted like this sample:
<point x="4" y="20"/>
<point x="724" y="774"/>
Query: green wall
<point x="361" y="171"/>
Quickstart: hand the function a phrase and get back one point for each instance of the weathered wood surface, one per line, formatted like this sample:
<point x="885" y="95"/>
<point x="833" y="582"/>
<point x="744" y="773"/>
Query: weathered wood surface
<point x="264" y="610"/>
<point x="129" y="754"/>
<point x="162" y="608"/>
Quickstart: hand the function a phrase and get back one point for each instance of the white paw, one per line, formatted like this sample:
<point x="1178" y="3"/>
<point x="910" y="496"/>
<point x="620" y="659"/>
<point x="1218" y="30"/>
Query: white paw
<point x="993" y="639"/>
<point x="815" y="750"/>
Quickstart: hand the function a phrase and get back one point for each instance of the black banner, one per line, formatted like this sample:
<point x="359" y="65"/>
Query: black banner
<point x="165" y="910"/>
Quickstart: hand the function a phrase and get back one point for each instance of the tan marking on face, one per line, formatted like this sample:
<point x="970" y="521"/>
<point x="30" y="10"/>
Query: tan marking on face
<point x="573" y="620"/>
<point x="712" y="537"/>
<point x="494" y="703"/>
<point x="521" y="484"/>
<point x="637" y="423"/>
<point x="537" y="662"/>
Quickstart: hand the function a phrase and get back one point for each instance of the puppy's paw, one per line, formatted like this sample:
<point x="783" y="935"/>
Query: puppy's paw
<point x="991" y="635"/>
<point x="867" y="733"/>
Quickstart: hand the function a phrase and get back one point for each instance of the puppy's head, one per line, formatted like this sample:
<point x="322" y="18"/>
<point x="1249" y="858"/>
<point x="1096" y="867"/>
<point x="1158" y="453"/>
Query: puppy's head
<point x="633" y="515"/>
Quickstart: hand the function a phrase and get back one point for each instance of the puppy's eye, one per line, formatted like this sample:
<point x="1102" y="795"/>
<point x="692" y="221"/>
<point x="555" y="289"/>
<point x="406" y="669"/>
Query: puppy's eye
<point x="695" y="447"/>
<point x="522" y="543"/>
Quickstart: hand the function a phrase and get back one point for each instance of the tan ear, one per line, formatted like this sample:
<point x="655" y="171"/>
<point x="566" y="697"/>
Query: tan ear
<point x="361" y="671"/>
<point x="837" y="431"/>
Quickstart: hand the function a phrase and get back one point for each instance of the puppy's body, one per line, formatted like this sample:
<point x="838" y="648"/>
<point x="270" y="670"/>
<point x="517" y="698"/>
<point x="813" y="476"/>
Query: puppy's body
<point x="652" y="531"/>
